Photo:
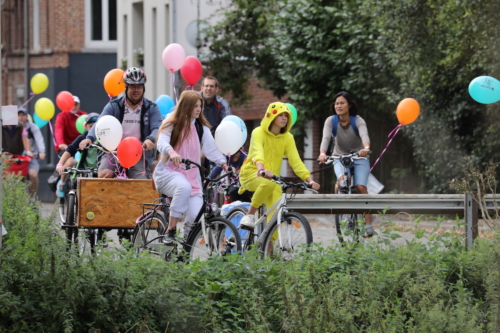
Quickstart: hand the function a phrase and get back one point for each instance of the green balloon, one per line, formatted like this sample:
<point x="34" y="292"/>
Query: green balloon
<point x="293" y="110"/>
<point x="80" y="123"/>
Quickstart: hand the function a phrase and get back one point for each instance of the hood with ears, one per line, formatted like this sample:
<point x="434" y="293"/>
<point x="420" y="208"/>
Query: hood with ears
<point x="273" y="110"/>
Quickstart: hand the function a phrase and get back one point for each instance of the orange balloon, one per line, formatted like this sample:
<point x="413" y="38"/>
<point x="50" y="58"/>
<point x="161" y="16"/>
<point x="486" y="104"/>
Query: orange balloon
<point x="113" y="82"/>
<point x="407" y="111"/>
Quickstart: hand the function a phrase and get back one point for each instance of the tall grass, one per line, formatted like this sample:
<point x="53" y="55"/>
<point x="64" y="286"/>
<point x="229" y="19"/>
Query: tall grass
<point x="376" y="287"/>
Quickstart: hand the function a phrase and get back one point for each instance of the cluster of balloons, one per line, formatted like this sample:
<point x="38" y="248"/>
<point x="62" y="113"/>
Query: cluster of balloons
<point x="109" y="132"/>
<point x="174" y="58"/>
<point x="485" y="89"/>
<point x="231" y="135"/>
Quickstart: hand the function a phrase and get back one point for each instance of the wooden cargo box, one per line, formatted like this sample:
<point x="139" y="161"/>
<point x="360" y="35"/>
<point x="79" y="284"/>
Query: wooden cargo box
<point x="112" y="203"/>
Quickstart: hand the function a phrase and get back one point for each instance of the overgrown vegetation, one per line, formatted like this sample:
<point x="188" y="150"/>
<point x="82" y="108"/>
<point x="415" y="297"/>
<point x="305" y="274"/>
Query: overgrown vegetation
<point x="432" y="287"/>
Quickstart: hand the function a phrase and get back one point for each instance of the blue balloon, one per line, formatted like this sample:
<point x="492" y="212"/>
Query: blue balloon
<point x="485" y="89"/>
<point x="39" y="121"/>
<point x="241" y="124"/>
<point x="166" y="104"/>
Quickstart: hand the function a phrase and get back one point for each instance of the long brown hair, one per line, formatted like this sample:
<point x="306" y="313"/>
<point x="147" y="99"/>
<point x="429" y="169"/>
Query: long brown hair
<point x="181" y="117"/>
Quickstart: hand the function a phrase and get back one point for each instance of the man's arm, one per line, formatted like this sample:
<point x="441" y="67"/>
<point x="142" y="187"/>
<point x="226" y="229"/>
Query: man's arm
<point x="225" y="110"/>
<point x="37" y="134"/>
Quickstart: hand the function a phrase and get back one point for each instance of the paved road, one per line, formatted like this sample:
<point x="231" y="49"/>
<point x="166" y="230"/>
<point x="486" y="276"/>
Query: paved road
<point x="323" y="226"/>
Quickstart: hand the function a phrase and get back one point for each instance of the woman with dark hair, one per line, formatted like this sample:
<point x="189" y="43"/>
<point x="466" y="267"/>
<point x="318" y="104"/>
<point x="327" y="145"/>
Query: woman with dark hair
<point x="178" y="139"/>
<point x="350" y="134"/>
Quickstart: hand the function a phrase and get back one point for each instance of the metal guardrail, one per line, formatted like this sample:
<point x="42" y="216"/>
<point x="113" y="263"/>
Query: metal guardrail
<point x="459" y="204"/>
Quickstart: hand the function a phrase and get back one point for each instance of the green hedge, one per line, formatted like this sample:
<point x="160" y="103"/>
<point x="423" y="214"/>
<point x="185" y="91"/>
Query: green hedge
<point x="437" y="287"/>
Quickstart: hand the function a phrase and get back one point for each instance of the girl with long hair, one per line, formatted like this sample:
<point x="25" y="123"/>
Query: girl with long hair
<point x="177" y="139"/>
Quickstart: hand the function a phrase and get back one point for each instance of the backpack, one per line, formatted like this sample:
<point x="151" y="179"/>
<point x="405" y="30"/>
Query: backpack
<point x="335" y="124"/>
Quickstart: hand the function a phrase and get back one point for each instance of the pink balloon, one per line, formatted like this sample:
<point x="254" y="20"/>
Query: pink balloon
<point x="173" y="57"/>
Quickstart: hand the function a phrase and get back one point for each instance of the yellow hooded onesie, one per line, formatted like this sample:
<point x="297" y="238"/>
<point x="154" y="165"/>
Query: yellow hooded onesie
<point x="269" y="149"/>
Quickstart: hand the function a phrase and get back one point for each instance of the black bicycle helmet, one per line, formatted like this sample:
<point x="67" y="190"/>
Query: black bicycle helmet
<point x="134" y="75"/>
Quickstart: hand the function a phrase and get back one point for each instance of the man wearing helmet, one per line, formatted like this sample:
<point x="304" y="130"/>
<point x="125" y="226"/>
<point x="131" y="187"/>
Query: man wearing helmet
<point x="140" y="118"/>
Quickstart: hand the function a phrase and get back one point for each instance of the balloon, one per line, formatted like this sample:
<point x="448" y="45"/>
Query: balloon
<point x="39" y="83"/>
<point x="293" y="110"/>
<point x="109" y="132"/>
<point x="39" y="121"/>
<point x="407" y="111"/>
<point x="65" y="101"/>
<point x="485" y="89"/>
<point x="80" y="123"/>
<point x="241" y="125"/>
<point x="44" y="108"/>
<point x="191" y="70"/>
<point x="114" y="83"/>
<point x="228" y="137"/>
<point x="165" y="103"/>
<point x="129" y="152"/>
<point x="173" y="57"/>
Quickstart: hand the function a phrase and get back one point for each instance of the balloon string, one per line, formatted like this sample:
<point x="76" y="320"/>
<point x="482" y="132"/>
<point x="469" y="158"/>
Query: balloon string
<point x="188" y="87"/>
<point x="143" y="163"/>
<point x="110" y="97"/>
<point x="173" y="84"/>
<point x="29" y="99"/>
<point x="391" y="135"/>
<point x="52" y="132"/>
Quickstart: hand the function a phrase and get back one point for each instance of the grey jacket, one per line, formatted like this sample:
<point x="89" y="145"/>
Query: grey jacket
<point x="36" y="139"/>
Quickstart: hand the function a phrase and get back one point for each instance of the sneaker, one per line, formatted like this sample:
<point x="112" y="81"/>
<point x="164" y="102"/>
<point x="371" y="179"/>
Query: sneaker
<point x="248" y="222"/>
<point x="169" y="237"/>
<point x="369" y="230"/>
<point x="60" y="189"/>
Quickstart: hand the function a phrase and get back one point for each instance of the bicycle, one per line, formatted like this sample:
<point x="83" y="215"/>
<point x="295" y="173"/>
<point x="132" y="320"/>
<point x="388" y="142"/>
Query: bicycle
<point x="90" y="237"/>
<point x="286" y="235"/>
<point x="210" y="235"/>
<point x="347" y="225"/>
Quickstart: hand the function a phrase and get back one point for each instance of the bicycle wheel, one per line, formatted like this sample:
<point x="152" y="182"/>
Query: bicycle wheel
<point x="85" y="239"/>
<point x="62" y="209"/>
<point x="295" y="233"/>
<point x="235" y="216"/>
<point x="148" y="235"/>
<point x="347" y="226"/>
<point x="71" y="218"/>
<point x="222" y="238"/>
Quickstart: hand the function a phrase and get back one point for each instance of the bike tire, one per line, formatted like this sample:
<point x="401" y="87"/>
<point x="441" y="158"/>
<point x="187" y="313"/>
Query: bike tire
<point x="348" y="230"/>
<point x="247" y="237"/>
<point x="296" y="236"/>
<point x="62" y="208"/>
<point x="223" y="239"/>
<point x="71" y="218"/>
<point x="146" y="232"/>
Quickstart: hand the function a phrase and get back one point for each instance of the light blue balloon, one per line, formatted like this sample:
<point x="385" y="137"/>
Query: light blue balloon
<point x="166" y="104"/>
<point x="485" y="89"/>
<point x="39" y="121"/>
<point x="241" y="124"/>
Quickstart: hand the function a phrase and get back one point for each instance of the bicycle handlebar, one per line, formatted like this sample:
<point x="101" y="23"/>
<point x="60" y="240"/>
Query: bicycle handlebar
<point x="188" y="162"/>
<point x="281" y="181"/>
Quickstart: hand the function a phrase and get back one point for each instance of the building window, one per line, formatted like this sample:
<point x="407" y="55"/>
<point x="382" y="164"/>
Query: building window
<point x="100" y="24"/>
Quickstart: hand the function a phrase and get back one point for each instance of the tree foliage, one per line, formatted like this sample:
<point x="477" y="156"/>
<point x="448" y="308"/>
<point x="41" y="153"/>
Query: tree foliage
<point x="381" y="51"/>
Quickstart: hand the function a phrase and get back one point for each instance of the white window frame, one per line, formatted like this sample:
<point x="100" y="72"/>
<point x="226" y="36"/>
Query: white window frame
<point x="105" y="43"/>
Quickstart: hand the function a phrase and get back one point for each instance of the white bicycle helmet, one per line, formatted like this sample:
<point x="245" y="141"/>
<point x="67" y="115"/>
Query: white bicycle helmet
<point x="134" y="75"/>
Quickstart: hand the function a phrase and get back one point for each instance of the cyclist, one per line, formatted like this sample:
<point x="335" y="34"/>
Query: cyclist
<point x="89" y="156"/>
<point x="178" y="139"/>
<point x="347" y="140"/>
<point x="269" y="143"/>
<point x="140" y="118"/>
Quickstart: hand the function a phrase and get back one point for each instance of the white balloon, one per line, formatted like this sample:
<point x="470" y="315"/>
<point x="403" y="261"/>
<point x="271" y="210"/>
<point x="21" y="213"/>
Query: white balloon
<point x="228" y="137"/>
<point x="109" y="132"/>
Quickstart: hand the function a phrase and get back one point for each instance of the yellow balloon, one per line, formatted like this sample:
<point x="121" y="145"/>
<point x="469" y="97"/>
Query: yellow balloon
<point x="39" y="83"/>
<point x="44" y="108"/>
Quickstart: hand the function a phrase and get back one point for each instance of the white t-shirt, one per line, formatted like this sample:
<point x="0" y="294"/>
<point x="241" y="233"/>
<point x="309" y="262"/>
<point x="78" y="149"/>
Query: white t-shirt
<point x="132" y="122"/>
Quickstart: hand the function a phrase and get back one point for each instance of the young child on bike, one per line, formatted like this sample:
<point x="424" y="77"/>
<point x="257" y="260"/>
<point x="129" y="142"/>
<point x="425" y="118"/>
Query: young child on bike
<point x="177" y="139"/>
<point x="89" y="156"/>
<point x="347" y="140"/>
<point x="269" y="143"/>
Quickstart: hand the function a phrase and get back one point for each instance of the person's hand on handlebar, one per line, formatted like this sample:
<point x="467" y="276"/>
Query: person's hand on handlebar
<point x="148" y="144"/>
<point x="315" y="186"/>
<point x="322" y="158"/>
<point x="84" y="143"/>
<point x="60" y="168"/>
<point x="265" y="173"/>
<point x="175" y="158"/>
<point x="364" y="152"/>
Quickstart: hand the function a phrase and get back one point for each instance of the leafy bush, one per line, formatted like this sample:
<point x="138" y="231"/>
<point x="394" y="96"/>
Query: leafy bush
<point x="432" y="287"/>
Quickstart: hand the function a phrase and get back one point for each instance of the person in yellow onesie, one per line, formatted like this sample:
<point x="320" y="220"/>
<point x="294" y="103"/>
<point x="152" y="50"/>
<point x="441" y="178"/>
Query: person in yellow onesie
<point x="270" y="142"/>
